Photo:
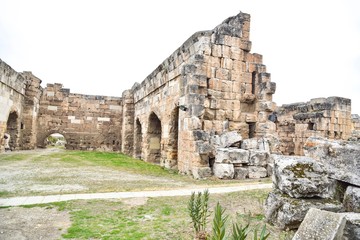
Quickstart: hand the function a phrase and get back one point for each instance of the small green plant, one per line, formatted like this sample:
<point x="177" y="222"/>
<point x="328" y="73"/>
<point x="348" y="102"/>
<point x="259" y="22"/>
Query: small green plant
<point x="219" y="221"/>
<point x="198" y="207"/>
<point x="263" y="235"/>
<point x="239" y="232"/>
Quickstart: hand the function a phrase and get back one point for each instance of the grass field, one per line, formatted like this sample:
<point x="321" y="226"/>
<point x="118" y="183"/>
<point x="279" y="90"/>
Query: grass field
<point x="58" y="171"/>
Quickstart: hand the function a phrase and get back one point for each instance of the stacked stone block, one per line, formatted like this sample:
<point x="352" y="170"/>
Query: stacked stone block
<point x="87" y="122"/>
<point x="327" y="178"/>
<point x="324" y="117"/>
<point x="12" y="100"/>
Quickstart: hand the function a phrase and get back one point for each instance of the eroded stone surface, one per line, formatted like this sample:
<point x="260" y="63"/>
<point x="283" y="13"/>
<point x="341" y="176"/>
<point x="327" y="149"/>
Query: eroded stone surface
<point x="341" y="158"/>
<point x="302" y="177"/>
<point x="320" y="224"/>
<point x="352" y="199"/>
<point x="286" y="212"/>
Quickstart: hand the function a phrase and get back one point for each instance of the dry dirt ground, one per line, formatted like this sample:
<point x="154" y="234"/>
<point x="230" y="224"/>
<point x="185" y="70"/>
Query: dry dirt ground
<point x="19" y="223"/>
<point x="39" y="177"/>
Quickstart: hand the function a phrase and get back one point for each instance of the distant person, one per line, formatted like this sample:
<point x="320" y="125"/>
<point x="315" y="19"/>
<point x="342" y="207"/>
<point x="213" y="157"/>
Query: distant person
<point x="7" y="140"/>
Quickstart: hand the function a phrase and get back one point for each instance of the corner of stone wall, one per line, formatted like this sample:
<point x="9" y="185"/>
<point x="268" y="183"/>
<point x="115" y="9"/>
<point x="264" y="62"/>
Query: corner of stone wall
<point x="127" y="129"/>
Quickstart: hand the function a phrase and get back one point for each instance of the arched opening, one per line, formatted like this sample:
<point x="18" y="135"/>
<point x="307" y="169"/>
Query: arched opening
<point x="55" y="140"/>
<point x="172" y="146"/>
<point x="12" y="131"/>
<point x="154" y="139"/>
<point x="138" y="140"/>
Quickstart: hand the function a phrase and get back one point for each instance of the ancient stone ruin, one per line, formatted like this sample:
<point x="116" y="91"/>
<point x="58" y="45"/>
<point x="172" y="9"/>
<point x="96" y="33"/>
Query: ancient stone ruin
<point x="322" y="187"/>
<point x="205" y="110"/>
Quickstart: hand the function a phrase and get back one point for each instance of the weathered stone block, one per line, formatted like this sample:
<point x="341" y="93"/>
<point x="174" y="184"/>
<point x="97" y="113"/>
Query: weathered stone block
<point x="301" y="177"/>
<point x="201" y="172"/>
<point x="226" y="139"/>
<point x="237" y="155"/>
<point x="258" y="157"/>
<point x="250" y="143"/>
<point x="352" y="199"/>
<point x="340" y="158"/>
<point x="223" y="170"/>
<point x="286" y="212"/>
<point x="222" y="155"/>
<point x="257" y="172"/>
<point x="352" y="226"/>
<point x="241" y="172"/>
<point x="320" y="224"/>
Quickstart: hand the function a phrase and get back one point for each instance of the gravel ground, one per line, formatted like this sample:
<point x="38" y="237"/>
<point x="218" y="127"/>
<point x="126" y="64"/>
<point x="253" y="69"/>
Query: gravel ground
<point x="44" y="177"/>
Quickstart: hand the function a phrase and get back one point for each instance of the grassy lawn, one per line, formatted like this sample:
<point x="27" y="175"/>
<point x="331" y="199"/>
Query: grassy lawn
<point x="158" y="218"/>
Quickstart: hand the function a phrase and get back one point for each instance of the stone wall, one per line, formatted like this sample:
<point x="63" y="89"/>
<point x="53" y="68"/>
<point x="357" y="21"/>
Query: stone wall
<point x="12" y="98"/>
<point x="211" y="84"/>
<point x="323" y="117"/>
<point x="87" y="122"/>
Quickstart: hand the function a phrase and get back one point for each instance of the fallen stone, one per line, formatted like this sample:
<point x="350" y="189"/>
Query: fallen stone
<point x="222" y="155"/>
<point x="341" y="158"/>
<point x="258" y="158"/>
<point x="286" y="212"/>
<point x="257" y="172"/>
<point x="352" y="199"/>
<point x="226" y="139"/>
<point x="241" y="172"/>
<point x="302" y="177"/>
<point x="237" y="155"/>
<point x="202" y="172"/>
<point x="223" y="170"/>
<point x="320" y="224"/>
<point x="352" y="226"/>
<point x="251" y="143"/>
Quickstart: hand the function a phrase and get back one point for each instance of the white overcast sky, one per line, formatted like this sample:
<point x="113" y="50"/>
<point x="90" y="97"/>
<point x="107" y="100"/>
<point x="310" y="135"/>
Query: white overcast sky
<point x="310" y="47"/>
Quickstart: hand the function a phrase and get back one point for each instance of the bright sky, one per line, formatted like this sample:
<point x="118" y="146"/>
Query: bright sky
<point x="310" y="47"/>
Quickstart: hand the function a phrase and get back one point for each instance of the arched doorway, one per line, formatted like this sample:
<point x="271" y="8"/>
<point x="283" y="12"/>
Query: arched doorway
<point x="154" y="139"/>
<point x="172" y="143"/>
<point x="55" y="140"/>
<point x="13" y="130"/>
<point x="138" y="139"/>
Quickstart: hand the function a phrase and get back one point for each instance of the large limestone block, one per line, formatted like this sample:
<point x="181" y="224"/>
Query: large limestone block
<point x="302" y="177"/>
<point x="352" y="226"/>
<point x="237" y="155"/>
<point x="250" y="143"/>
<point x="320" y="224"/>
<point x="341" y="158"/>
<point x="223" y="170"/>
<point x="258" y="158"/>
<point x="201" y="172"/>
<point x="222" y="155"/>
<point x="286" y="212"/>
<point x="226" y="139"/>
<point x="352" y="199"/>
<point x="257" y="172"/>
<point x="241" y="172"/>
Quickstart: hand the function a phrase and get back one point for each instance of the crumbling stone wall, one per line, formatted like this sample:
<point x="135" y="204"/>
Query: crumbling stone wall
<point x="212" y="83"/>
<point x="19" y="98"/>
<point x="87" y="122"/>
<point x="322" y="117"/>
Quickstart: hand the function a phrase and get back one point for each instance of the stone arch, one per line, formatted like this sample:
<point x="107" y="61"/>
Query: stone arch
<point x="154" y="139"/>
<point x="172" y="141"/>
<point x="138" y="139"/>
<point x="13" y="129"/>
<point x="43" y="135"/>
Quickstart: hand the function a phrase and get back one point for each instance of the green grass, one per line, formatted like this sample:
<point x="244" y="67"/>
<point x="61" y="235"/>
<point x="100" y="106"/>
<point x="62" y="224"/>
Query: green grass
<point x="157" y="218"/>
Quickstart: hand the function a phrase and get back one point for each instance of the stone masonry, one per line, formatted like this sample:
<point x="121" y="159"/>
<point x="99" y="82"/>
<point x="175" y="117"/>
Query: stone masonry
<point x="210" y="85"/>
